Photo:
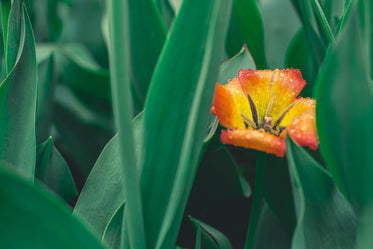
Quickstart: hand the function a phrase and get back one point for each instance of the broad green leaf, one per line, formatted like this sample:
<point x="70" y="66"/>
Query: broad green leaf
<point x="32" y="217"/>
<point x="112" y="234"/>
<point x="148" y="34"/>
<point x="103" y="191"/>
<point x="52" y="170"/>
<point x="18" y="94"/>
<point x="13" y="33"/>
<point x="271" y="233"/>
<point x="364" y="236"/>
<point x="210" y="238"/>
<point x="146" y="25"/>
<point x="120" y="69"/>
<point x="190" y="60"/>
<point x="46" y="86"/>
<point x="2" y="54"/>
<point x="344" y="111"/>
<point x="229" y="69"/>
<point x="325" y="218"/>
<point x="5" y="6"/>
<point x="280" y="24"/>
<point x="277" y="191"/>
<point x="299" y="56"/>
<point x="246" y="27"/>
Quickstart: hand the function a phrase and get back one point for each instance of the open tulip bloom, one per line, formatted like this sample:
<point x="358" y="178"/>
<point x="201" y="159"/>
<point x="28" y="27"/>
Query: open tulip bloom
<point x="259" y="107"/>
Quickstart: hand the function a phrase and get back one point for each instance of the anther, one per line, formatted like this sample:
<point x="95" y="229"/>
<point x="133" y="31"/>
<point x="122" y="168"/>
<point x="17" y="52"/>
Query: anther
<point x="248" y="121"/>
<point x="282" y="115"/>
<point x="253" y="110"/>
<point x="270" y="105"/>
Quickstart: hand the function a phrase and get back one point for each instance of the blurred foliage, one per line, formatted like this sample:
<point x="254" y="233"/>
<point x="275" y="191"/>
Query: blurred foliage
<point x="109" y="97"/>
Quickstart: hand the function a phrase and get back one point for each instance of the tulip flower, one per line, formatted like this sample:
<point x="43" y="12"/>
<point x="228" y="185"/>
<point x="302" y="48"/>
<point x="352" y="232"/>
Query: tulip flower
<point x="259" y="107"/>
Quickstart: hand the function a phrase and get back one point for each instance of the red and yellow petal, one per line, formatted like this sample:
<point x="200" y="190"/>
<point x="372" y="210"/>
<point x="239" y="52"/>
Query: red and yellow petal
<point x="228" y="104"/>
<point x="255" y="139"/>
<point x="303" y="130"/>
<point x="301" y="105"/>
<point x="287" y="84"/>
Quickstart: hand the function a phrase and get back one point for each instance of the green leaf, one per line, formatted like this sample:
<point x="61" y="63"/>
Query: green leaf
<point x="278" y="192"/>
<point x="365" y="239"/>
<point x="103" y="191"/>
<point x="113" y="230"/>
<point x="13" y="33"/>
<point x="18" y="94"/>
<point x="344" y="111"/>
<point x="146" y="25"/>
<point x="120" y="69"/>
<point x="325" y="218"/>
<point x="52" y="170"/>
<point x="5" y="9"/>
<point x="229" y="69"/>
<point x="280" y="24"/>
<point x="46" y="87"/>
<point x="210" y="238"/>
<point x="246" y="27"/>
<point x="271" y="234"/>
<point x="190" y="59"/>
<point x="299" y="55"/>
<point x="32" y="217"/>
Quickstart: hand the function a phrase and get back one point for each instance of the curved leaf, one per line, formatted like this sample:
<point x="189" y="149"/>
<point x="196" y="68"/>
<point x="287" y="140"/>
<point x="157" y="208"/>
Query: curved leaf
<point x="271" y="234"/>
<point x="325" y="219"/>
<point x="114" y="229"/>
<point x="24" y="225"/>
<point x="280" y="24"/>
<point x="344" y="111"/>
<point x="299" y="55"/>
<point x="18" y="94"/>
<point x="246" y="27"/>
<point x="103" y="191"/>
<point x="190" y="60"/>
<point x="210" y="238"/>
<point x="52" y="170"/>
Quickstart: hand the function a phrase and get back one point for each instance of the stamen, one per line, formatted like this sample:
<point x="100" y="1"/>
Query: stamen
<point x="253" y="110"/>
<point x="267" y="124"/>
<point x="270" y="105"/>
<point x="248" y="121"/>
<point x="282" y="115"/>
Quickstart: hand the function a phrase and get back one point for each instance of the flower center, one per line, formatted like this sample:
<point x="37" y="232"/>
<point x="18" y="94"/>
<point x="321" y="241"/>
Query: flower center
<point x="266" y="123"/>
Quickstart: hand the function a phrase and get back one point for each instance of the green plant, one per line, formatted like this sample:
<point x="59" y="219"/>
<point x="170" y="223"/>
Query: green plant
<point x="116" y="95"/>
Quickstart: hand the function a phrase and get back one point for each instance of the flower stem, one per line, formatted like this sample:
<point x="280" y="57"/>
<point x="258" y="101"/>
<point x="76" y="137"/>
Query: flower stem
<point x="254" y="212"/>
